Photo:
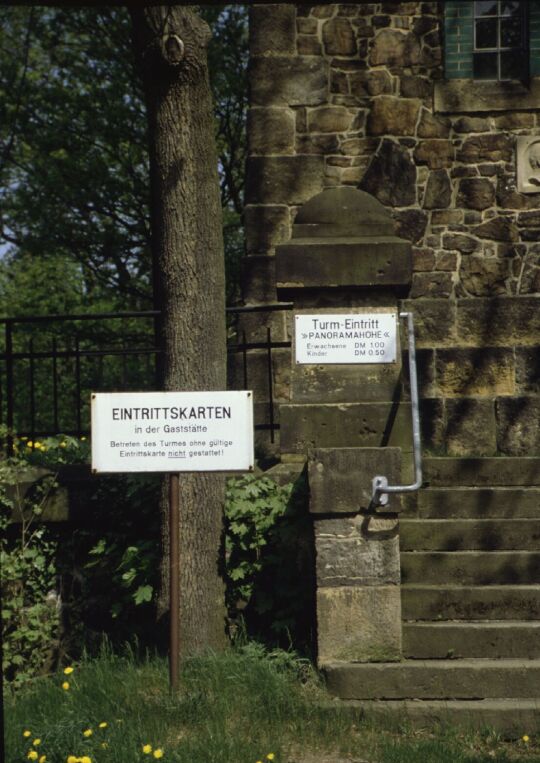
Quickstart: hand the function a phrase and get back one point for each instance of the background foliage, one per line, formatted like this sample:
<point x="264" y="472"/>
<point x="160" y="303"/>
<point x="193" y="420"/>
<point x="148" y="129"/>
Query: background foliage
<point x="66" y="585"/>
<point x="73" y="156"/>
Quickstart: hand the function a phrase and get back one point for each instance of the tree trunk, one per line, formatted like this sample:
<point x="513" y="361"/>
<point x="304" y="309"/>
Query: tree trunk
<point x="188" y="250"/>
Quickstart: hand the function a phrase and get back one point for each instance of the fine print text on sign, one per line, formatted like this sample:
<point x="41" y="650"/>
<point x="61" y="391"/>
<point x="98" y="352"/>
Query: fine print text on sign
<point x="346" y="338"/>
<point x="172" y="431"/>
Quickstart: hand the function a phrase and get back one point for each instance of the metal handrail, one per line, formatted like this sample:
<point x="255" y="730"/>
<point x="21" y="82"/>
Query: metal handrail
<point x="381" y="488"/>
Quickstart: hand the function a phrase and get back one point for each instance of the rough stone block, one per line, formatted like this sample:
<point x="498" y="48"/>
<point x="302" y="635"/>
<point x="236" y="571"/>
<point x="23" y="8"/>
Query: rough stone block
<point x="340" y="479"/>
<point x="501" y="321"/>
<point x="394" y="48"/>
<point x="258" y="279"/>
<point x="498" y="229"/>
<point x="329" y="119"/>
<point x="463" y="244"/>
<point x="438" y="192"/>
<point x="518" y="432"/>
<point x="391" y="176"/>
<point x="283" y="179"/>
<point x="272" y="29"/>
<point x="288" y="81"/>
<point x="476" y="193"/>
<point x="339" y="38"/>
<point x="436" y="153"/>
<point x="470" y="429"/>
<point x="431" y="126"/>
<point x="494" y="147"/>
<point x="357" y="551"/>
<point x="393" y="116"/>
<point x="528" y="369"/>
<point x="359" y="624"/>
<point x="252" y="373"/>
<point x="432" y="423"/>
<point x="265" y="227"/>
<point x="304" y="427"/>
<point x="308" y="45"/>
<point x="271" y="130"/>
<point x="434" y="321"/>
<point x="480" y="371"/>
<point x="483" y="277"/>
<point x="431" y="285"/>
<point x="345" y="383"/>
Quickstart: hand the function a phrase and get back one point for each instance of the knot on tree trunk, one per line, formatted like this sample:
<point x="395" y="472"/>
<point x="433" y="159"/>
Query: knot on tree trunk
<point x="173" y="49"/>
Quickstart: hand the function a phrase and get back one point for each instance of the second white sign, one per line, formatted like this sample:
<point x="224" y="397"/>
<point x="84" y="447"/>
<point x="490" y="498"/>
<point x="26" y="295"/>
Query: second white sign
<point x="346" y="338"/>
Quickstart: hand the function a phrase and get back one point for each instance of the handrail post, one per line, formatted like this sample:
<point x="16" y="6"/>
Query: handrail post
<point x="381" y="488"/>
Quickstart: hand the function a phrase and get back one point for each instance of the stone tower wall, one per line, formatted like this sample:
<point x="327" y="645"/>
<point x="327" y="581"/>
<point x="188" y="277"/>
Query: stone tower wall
<point x="354" y="94"/>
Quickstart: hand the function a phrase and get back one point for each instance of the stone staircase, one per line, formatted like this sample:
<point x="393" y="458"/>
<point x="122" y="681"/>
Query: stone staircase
<point x="470" y="572"/>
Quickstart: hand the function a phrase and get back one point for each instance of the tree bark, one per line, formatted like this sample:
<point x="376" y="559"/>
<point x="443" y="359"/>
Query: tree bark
<point x="170" y="42"/>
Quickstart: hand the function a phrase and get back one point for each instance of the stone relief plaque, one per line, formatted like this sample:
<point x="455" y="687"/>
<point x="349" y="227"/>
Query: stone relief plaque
<point x="528" y="164"/>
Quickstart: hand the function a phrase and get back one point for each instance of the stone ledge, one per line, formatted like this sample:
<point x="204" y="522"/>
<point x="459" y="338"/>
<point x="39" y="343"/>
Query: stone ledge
<point x="382" y="261"/>
<point x="461" y="95"/>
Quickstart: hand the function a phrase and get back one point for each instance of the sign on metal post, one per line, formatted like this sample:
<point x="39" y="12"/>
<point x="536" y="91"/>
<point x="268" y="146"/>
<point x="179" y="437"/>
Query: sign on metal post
<point x="172" y="432"/>
<point x="341" y="338"/>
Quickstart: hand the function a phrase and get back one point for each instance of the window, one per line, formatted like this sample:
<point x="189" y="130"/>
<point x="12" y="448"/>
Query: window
<point x="495" y="40"/>
<point x="491" y="56"/>
<point x="500" y="44"/>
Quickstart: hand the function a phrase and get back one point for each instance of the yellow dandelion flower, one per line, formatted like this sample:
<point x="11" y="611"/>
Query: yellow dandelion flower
<point x="27" y="734"/>
<point x="32" y="755"/>
<point x="63" y="444"/>
<point x="36" y="742"/>
<point x="42" y="759"/>
<point x="270" y="756"/>
<point x="65" y="685"/>
<point x="525" y="738"/>
<point x="68" y="671"/>
<point x="158" y="753"/>
<point x="72" y="759"/>
<point x="147" y="749"/>
<point x="29" y="444"/>
<point x="85" y="759"/>
<point x="103" y="725"/>
<point x="38" y="445"/>
<point x="87" y="733"/>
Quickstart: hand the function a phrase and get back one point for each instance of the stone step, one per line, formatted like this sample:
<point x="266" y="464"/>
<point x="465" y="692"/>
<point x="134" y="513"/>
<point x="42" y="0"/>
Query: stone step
<point x="452" y="602"/>
<point x="507" y="716"/>
<point x="471" y="567"/>
<point x="474" y="503"/>
<point x="435" y="679"/>
<point x="509" y="639"/>
<point x="482" y="472"/>
<point x="469" y="534"/>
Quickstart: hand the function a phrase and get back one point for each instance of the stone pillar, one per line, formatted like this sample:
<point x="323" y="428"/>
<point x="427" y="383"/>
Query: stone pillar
<point x="350" y="421"/>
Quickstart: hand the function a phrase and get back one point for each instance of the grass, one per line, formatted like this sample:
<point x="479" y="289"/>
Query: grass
<point x="237" y="707"/>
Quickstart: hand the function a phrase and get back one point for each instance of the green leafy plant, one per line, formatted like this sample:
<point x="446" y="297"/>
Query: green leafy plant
<point x="30" y="612"/>
<point x="253" y="505"/>
<point x="54" y="452"/>
<point x="269" y="561"/>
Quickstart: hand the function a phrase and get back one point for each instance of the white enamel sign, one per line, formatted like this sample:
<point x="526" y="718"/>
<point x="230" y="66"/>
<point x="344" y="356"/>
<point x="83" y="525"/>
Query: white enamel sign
<point x="346" y="338"/>
<point x="172" y="431"/>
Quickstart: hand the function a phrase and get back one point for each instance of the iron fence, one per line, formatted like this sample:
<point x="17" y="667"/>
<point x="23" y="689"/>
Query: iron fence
<point x="46" y="376"/>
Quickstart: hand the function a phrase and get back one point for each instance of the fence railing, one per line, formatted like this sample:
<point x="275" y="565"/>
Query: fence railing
<point x="46" y="376"/>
